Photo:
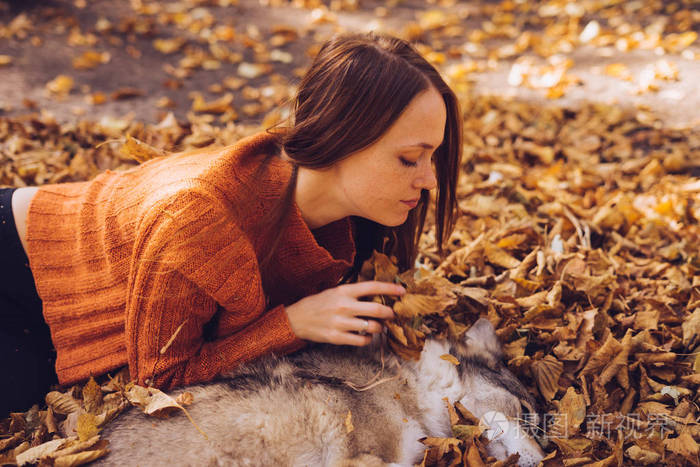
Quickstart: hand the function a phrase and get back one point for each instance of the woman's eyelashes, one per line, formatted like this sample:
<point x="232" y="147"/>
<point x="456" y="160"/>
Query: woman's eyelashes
<point x="407" y="163"/>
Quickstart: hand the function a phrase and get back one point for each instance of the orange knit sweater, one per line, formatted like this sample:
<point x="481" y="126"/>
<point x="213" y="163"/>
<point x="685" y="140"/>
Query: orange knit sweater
<point x="157" y="266"/>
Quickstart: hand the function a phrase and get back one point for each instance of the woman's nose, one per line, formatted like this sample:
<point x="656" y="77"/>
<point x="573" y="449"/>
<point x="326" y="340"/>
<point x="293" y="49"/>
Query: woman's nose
<point x="427" y="179"/>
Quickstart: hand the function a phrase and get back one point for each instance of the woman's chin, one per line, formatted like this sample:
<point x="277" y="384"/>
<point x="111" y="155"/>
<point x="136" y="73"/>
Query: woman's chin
<point x="393" y="221"/>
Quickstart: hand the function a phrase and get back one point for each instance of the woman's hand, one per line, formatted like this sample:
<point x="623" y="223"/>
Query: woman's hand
<point x="336" y="315"/>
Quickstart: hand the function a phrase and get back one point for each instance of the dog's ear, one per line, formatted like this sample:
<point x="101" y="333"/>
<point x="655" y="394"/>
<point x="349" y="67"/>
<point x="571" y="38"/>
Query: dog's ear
<point x="482" y="336"/>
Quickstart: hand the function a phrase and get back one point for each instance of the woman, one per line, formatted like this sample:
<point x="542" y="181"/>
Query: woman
<point x="189" y="265"/>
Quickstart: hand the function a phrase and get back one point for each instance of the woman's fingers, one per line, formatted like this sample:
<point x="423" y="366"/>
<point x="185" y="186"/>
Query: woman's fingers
<point x="373" y="310"/>
<point x="363" y="289"/>
<point x="349" y="338"/>
<point x="369" y="326"/>
<point x="358" y="324"/>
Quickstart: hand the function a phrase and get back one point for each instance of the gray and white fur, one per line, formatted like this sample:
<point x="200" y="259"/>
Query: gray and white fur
<point x="292" y="411"/>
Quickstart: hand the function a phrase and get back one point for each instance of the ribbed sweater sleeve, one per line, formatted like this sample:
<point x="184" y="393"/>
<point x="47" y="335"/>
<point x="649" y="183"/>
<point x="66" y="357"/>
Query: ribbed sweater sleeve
<point x="189" y="256"/>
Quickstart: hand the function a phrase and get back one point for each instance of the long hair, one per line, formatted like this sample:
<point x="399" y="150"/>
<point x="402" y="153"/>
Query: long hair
<point x="356" y="88"/>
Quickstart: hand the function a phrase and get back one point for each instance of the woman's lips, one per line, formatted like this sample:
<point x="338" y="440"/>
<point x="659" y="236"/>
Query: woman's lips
<point x="411" y="203"/>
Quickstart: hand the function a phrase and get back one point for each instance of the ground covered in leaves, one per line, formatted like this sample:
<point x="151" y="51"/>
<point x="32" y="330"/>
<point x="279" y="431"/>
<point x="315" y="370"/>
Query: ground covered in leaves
<point x="579" y="228"/>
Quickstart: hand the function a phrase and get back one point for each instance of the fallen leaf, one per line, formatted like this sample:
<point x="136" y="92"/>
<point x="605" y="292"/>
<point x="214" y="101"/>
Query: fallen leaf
<point x="349" y="428"/>
<point x="450" y="358"/>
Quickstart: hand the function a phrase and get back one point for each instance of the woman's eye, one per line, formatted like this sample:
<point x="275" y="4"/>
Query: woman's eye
<point x="407" y="163"/>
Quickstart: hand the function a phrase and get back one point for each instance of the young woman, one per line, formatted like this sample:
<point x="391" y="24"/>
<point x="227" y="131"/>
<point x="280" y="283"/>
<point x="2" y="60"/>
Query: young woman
<point x="189" y="265"/>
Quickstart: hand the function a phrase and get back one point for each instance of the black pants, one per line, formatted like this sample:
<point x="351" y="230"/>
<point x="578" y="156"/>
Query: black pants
<point x="27" y="356"/>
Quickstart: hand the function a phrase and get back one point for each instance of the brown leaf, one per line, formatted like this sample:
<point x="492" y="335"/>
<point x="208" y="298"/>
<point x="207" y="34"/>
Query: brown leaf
<point x="140" y="151"/>
<point x="547" y="373"/>
<point x="90" y="59"/>
<point x="684" y="445"/>
<point x="126" y="93"/>
<point x="36" y="453"/>
<point x="572" y="412"/>
<point x="413" y="305"/>
<point x="62" y="403"/>
<point x="473" y="457"/>
<point x="602" y="356"/>
<point x="572" y="446"/>
<point x="218" y="106"/>
<point x="691" y="330"/>
<point x="500" y="257"/>
<point x="642" y="456"/>
<point x="80" y="458"/>
<point x="185" y="399"/>
<point x="152" y="401"/>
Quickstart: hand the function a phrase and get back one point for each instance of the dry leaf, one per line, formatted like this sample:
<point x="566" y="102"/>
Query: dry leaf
<point x="32" y="455"/>
<point x="152" y="401"/>
<point x="87" y="426"/>
<point x="140" y="151"/>
<point x="642" y="456"/>
<point x="61" y="85"/>
<point x="80" y="458"/>
<point x="62" y="403"/>
<point x="684" y="445"/>
<point x="450" y="358"/>
<point x="92" y="396"/>
<point x="547" y="372"/>
<point x="185" y="399"/>
<point x="349" y="428"/>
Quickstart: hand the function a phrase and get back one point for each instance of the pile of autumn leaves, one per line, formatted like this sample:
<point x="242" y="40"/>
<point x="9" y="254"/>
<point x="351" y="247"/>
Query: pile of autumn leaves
<point x="577" y="238"/>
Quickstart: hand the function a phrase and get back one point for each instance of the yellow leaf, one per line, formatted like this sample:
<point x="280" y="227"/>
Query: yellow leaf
<point x="140" y="151"/>
<point x="466" y="432"/>
<point x="512" y="241"/>
<point x="349" y="428"/>
<point x="450" y="358"/>
<point x="168" y="46"/>
<point x="92" y="396"/>
<point x="90" y="59"/>
<point x="616" y="70"/>
<point x="218" y="106"/>
<point x="61" y="85"/>
<point x="87" y="426"/>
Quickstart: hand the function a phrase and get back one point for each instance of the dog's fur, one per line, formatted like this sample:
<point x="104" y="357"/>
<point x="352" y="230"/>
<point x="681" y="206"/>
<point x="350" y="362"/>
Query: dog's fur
<point x="292" y="411"/>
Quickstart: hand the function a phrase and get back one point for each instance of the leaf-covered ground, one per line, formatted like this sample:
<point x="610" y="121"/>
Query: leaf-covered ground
<point x="579" y="228"/>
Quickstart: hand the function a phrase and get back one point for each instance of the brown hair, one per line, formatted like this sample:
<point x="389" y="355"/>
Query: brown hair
<point x="355" y="89"/>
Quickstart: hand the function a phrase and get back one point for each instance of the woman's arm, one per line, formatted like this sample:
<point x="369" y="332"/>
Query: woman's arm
<point x="187" y="258"/>
<point x="183" y="269"/>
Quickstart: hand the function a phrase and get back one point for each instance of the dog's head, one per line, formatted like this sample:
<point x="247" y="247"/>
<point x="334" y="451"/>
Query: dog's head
<point x="496" y="396"/>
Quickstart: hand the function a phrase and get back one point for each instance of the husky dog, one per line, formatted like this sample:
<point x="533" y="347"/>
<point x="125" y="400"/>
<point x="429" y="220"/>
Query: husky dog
<point x="299" y="410"/>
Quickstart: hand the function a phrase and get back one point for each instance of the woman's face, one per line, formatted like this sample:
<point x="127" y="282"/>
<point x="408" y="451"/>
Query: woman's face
<point x="383" y="182"/>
